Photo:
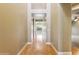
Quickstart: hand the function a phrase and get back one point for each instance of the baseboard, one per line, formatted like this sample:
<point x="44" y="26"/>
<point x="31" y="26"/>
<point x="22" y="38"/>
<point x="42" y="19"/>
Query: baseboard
<point x="48" y="43"/>
<point x="23" y="48"/>
<point x="64" y="53"/>
<point x="59" y="53"/>
<point x="52" y="46"/>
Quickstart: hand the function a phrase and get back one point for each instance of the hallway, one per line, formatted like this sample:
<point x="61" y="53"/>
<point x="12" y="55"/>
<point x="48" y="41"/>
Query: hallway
<point x="48" y="24"/>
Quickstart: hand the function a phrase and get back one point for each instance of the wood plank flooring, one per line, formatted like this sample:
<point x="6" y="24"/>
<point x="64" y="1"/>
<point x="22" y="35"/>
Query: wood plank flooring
<point x="75" y="51"/>
<point x="45" y="49"/>
<point x="41" y="48"/>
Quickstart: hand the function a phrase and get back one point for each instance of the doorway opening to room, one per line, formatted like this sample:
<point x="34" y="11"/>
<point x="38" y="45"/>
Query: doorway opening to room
<point x="75" y="28"/>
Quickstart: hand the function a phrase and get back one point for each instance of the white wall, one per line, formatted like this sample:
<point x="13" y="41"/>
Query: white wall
<point x="75" y="34"/>
<point x="13" y="27"/>
<point x="61" y="27"/>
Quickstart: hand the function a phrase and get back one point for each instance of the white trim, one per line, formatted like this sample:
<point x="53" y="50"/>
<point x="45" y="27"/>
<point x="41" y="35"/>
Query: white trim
<point x="23" y="48"/>
<point x="29" y="21"/>
<point x="75" y="36"/>
<point x="48" y="43"/>
<point x="59" y="27"/>
<point x="54" y="48"/>
<point x="64" y="53"/>
<point x="48" y="21"/>
<point x="39" y="11"/>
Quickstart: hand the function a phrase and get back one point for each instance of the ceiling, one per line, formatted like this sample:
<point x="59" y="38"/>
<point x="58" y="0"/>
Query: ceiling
<point x="74" y="4"/>
<point x="75" y="8"/>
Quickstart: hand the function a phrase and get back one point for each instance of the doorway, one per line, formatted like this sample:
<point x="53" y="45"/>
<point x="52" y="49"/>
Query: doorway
<point x="75" y="29"/>
<point x="39" y="29"/>
<point x="39" y="22"/>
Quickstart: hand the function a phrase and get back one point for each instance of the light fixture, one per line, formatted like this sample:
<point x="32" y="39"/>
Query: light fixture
<point x="75" y="20"/>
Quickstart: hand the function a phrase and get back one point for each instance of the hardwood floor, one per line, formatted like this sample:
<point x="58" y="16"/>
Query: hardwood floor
<point x="41" y="48"/>
<point x="75" y="51"/>
<point x="46" y="50"/>
<point x="32" y="49"/>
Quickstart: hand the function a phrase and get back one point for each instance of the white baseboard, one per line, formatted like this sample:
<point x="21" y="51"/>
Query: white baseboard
<point x="64" y="53"/>
<point x="52" y="46"/>
<point x="59" y="53"/>
<point x="23" y="48"/>
<point x="48" y="43"/>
